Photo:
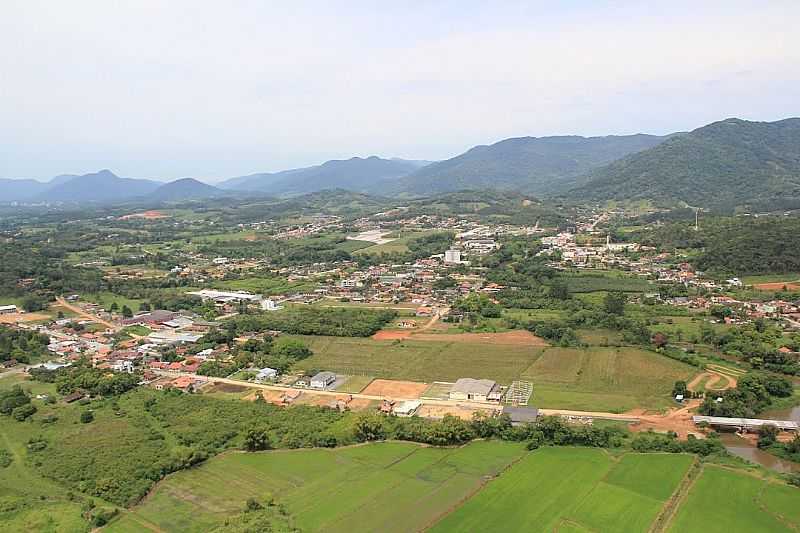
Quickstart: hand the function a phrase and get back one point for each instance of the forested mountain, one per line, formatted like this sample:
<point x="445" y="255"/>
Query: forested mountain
<point x="103" y="186"/>
<point x="722" y="165"/>
<point x="356" y="174"/>
<point x="184" y="189"/>
<point x="537" y="165"/>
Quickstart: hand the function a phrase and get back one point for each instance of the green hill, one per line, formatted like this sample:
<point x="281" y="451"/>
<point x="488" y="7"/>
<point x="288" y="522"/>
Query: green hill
<point x="724" y="165"/>
<point x="535" y="165"/>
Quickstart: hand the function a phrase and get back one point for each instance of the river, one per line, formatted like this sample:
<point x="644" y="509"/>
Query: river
<point x="742" y="448"/>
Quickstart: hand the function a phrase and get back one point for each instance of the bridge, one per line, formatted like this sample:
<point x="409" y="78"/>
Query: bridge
<point x="746" y="424"/>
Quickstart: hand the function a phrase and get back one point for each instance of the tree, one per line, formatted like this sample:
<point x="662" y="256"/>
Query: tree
<point x="87" y="417"/>
<point x="114" y="307"/>
<point x="291" y="348"/>
<point x="369" y="426"/>
<point x="256" y="439"/>
<point x="126" y="312"/>
<point x="559" y="291"/>
<point x="22" y="412"/>
<point x="614" y="303"/>
<point x="680" y="388"/>
<point x="144" y="306"/>
<point x="767" y="435"/>
<point x="660" y="340"/>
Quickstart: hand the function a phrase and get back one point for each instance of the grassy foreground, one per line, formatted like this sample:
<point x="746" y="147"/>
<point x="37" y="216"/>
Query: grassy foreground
<point x="381" y="487"/>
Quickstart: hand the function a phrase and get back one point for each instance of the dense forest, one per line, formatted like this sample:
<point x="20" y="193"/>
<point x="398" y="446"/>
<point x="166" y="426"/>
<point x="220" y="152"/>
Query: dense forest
<point x="732" y="245"/>
<point x="339" y="322"/>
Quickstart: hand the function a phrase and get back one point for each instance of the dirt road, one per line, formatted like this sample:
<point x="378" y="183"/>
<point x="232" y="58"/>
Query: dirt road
<point x="88" y="316"/>
<point x="477" y="405"/>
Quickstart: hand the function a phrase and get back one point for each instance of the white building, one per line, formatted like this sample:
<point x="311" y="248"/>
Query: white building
<point x="477" y="390"/>
<point x="270" y="305"/>
<point x="266" y="374"/>
<point x="323" y="380"/>
<point x="226" y="296"/>
<point x="452" y="256"/>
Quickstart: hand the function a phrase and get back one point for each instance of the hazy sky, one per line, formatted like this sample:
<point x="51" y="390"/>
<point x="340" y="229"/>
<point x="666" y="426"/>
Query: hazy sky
<point x="174" y="88"/>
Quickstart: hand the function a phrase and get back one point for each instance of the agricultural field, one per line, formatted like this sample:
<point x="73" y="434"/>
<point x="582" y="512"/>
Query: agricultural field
<point x="604" y="379"/>
<point x="417" y="360"/>
<point x="592" y="379"/>
<point x="573" y="489"/>
<point x="723" y="500"/>
<point x="380" y="487"/>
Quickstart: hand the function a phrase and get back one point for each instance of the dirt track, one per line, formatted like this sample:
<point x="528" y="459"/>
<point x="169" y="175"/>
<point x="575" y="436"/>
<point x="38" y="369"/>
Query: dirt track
<point x="511" y="338"/>
<point x="88" y="316"/>
<point x="713" y="379"/>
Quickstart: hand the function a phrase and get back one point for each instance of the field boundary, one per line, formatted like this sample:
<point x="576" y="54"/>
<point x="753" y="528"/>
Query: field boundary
<point x="485" y="481"/>
<point x="671" y="506"/>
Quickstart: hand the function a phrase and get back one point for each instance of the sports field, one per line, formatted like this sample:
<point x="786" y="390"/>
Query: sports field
<point x="592" y="379"/>
<point x="573" y="489"/>
<point x="724" y="501"/>
<point x="381" y="487"/>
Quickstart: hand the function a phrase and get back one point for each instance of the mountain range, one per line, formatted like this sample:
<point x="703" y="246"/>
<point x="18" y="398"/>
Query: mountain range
<point x="372" y="174"/>
<point x="537" y="165"/>
<point x="728" y="164"/>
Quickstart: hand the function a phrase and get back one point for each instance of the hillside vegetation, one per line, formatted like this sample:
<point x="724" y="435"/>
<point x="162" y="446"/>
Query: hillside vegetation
<point x="530" y="164"/>
<point x="724" y="165"/>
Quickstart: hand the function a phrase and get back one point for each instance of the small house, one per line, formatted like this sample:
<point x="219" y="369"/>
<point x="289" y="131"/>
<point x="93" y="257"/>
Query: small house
<point x="266" y="374"/>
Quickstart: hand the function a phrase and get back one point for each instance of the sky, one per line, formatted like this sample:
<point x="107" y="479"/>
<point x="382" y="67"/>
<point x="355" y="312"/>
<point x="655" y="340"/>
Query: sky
<point x="210" y="89"/>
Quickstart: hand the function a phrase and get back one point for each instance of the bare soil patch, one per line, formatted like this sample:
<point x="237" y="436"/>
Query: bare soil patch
<point x="510" y="338"/>
<point x="395" y="389"/>
<point x="385" y="335"/>
<point x="147" y="215"/>
<point x="13" y="318"/>
<point x="463" y="412"/>
<point x="778" y="286"/>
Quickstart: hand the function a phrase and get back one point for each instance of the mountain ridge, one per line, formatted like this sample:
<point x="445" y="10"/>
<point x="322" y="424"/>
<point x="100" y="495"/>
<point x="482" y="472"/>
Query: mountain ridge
<point x="723" y="165"/>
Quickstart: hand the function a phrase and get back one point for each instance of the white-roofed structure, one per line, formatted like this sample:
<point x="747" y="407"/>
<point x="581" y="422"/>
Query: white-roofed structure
<point x="746" y="423"/>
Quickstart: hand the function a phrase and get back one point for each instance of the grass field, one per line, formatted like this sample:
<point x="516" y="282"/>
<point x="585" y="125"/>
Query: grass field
<point x="417" y="360"/>
<point x="593" y="379"/>
<point x="400" y="244"/>
<point x="381" y="487"/>
<point x="28" y="501"/>
<point x="573" y="489"/>
<point x="722" y="500"/>
<point x="264" y="285"/>
<point x="604" y="379"/>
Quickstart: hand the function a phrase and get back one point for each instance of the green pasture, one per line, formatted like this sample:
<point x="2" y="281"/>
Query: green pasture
<point x="725" y="501"/>
<point x="380" y="487"/>
<point x="417" y="360"/>
<point x="573" y="489"/>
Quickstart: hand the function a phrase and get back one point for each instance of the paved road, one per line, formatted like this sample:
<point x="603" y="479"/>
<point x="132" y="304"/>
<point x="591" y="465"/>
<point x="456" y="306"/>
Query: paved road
<point x="452" y="403"/>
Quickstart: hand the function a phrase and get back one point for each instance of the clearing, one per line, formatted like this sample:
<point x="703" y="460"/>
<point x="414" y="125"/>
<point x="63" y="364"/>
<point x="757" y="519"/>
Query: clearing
<point x="395" y="389"/>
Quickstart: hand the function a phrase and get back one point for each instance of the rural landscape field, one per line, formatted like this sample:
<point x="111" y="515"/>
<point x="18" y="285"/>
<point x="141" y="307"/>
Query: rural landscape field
<point x="399" y="267"/>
